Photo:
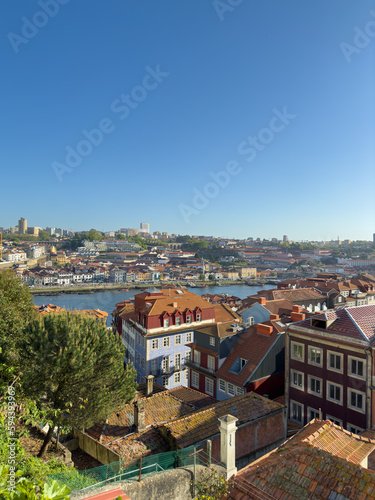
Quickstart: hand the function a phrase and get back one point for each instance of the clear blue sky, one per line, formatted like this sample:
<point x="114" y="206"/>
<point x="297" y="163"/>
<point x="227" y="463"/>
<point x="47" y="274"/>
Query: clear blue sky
<point x="181" y="89"/>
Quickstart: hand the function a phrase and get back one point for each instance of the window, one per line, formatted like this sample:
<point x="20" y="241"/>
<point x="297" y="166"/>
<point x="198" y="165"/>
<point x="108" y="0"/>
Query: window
<point x="177" y="378"/>
<point x="188" y="337"/>
<point x="195" y="379"/>
<point x="178" y="321"/>
<point x="231" y="389"/>
<point x="296" y="412"/>
<point x="242" y="363"/>
<point x="166" y="342"/>
<point x="209" y="386"/>
<point x="165" y="364"/>
<point x="356" y="367"/>
<point x="335" y="420"/>
<point x="334" y="392"/>
<point x="221" y="385"/>
<point x="211" y="362"/>
<point x="239" y="391"/>
<point x="197" y="357"/>
<point x="334" y="361"/>
<point x="311" y="414"/>
<point x="212" y="341"/>
<point x="250" y="321"/>
<point x="356" y="400"/>
<point x="187" y="374"/>
<point x="154" y="344"/>
<point x="315" y="356"/>
<point x="177" y="361"/>
<point x="315" y="386"/>
<point x="297" y="380"/>
<point x="354" y="429"/>
<point x="154" y="366"/>
<point x="177" y="340"/>
<point x="199" y="317"/>
<point x="165" y="380"/>
<point x="297" y="351"/>
<point x="188" y="319"/>
<point x="166" y="323"/>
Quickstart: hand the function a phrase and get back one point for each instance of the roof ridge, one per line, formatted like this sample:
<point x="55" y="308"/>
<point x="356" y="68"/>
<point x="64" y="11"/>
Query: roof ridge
<point x="356" y="324"/>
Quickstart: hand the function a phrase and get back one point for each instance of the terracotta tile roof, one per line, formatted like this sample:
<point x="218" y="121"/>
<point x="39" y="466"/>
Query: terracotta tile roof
<point x="193" y="397"/>
<point x="353" y="322"/>
<point x="306" y="467"/>
<point x="223" y="314"/>
<point x="202" y="424"/>
<point x="139" y="445"/>
<point x="164" y="302"/>
<point x="294" y="295"/>
<point x="251" y="346"/>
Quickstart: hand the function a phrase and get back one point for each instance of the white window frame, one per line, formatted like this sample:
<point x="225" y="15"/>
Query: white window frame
<point x="356" y="408"/>
<point x="239" y="391"/>
<point x="199" y="317"/>
<point x="165" y="363"/>
<point x="212" y="340"/>
<point x="309" y="409"/>
<point x="336" y="421"/>
<point x="197" y="357"/>
<point x="166" y="323"/>
<point x="178" y="339"/>
<point x="311" y="391"/>
<point x="355" y="375"/>
<point x="177" y="360"/>
<point x="338" y="354"/>
<point x="302" y="378"/>
<point x="328" y="398"/>
<point x="291" y="414"/>
<point x="154" y="342"/>
<point x="178" y="321"/>
<point x="221" y="384"/>
<point x="166" y="342"/>
<point x="165" y="380"/>
<point x="211" y="362"/>
<point x="250" y="321"/>
<point x="188" y="337"/>
<point x="177" y="378"/>
<point x="230" y="389"/>
<point x="187" y="374"/>
<point x="194" y="379"/>
<point x="356" y="429"/>
<point x="188" y="319"/>
<point x="310" y="361"/>
<point x="292" y="355"/>
<point x="209" y="390"/>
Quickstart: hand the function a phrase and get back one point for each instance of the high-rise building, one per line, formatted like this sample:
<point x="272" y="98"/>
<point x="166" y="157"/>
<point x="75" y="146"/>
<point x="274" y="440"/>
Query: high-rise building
<point x="145" y="227"/>
<point x="373" y="238"/>
<point x="22" y="226"/>
<point x="285" y="238"/>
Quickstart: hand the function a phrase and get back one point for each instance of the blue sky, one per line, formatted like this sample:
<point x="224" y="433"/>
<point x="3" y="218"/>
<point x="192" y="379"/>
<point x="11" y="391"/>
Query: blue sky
<point x="118" y="112"/>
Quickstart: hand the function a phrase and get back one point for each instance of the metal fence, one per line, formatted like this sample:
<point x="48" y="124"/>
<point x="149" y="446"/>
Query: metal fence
<point x="135" y="471"/>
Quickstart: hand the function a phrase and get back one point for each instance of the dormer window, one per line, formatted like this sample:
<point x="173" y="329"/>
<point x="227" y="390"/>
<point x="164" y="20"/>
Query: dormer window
<point x="188" y="318"/>
<point x="178" y="321"/>
<point x="166" y="322"/>
<point x="199" y="317"/>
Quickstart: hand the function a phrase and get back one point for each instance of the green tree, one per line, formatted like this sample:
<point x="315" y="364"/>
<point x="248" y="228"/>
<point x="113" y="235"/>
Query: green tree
<point x="74" y="371"/>
<point x="211" y="485"/>
<point x="43" y="235"/>
<point x="16" y="309"/>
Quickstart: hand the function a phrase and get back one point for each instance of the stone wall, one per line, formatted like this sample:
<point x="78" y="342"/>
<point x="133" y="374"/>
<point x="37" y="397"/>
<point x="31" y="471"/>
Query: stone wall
<point x="96" y="450"/>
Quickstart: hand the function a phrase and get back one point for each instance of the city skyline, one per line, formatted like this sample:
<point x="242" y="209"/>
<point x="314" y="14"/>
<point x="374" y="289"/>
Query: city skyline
<point x="254" y="120"/>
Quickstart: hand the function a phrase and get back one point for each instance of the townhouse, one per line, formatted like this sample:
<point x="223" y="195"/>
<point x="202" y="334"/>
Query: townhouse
<point x="330" y="367"/>
<point x="158" y="333"/>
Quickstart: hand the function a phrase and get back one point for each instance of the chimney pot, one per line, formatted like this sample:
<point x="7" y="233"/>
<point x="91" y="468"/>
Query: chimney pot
<point x="149" y="385"/>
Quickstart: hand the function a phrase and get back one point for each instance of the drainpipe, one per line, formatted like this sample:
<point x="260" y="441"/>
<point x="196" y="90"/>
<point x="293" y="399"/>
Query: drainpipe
<point x="368" y="352"/>
<point x="287" y="374"/>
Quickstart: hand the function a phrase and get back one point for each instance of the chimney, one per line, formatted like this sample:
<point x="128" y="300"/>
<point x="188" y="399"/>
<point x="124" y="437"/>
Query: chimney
<point x="296" y="316"/>
<point x="228" y="429"/>
<point x="274" y="316"/>
<point x="149" y="385"/>
<point x="297" y="309"/>
<point x="262" y="301"/>
<point x="139" y="416"/>
<point x="264" y="329"/>
<point x="175" y="305"/>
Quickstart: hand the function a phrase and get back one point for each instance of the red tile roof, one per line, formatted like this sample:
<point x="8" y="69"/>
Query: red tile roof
<point x="319" y="462"/>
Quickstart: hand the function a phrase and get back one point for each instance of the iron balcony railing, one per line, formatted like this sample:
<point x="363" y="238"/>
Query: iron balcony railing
<point x="198" y="366"/>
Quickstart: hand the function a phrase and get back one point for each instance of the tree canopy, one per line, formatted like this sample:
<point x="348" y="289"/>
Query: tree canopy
<point x="73" y="369"/>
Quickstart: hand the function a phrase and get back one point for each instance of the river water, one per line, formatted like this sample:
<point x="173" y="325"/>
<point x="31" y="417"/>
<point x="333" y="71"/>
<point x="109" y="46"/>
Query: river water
<point x="106" y="301"/>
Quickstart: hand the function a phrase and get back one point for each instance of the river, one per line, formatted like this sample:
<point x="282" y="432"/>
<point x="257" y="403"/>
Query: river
<point x="105" y="301"/>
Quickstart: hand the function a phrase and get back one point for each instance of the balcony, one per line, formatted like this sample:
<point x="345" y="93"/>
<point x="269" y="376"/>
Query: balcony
<point x="198" y="366"/>
<point x="166" y="370"/>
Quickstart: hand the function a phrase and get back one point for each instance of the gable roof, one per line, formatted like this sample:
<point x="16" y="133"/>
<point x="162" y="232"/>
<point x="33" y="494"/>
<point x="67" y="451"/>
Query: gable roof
<point x="312" y="464"/>
<point x="202" y="424"/>
<point x="252" y="347"/>
<point x="352" y="322"/>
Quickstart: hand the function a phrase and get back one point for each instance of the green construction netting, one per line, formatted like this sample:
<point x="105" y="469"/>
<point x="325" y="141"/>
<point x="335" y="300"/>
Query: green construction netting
<point x="121" y="471"/>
